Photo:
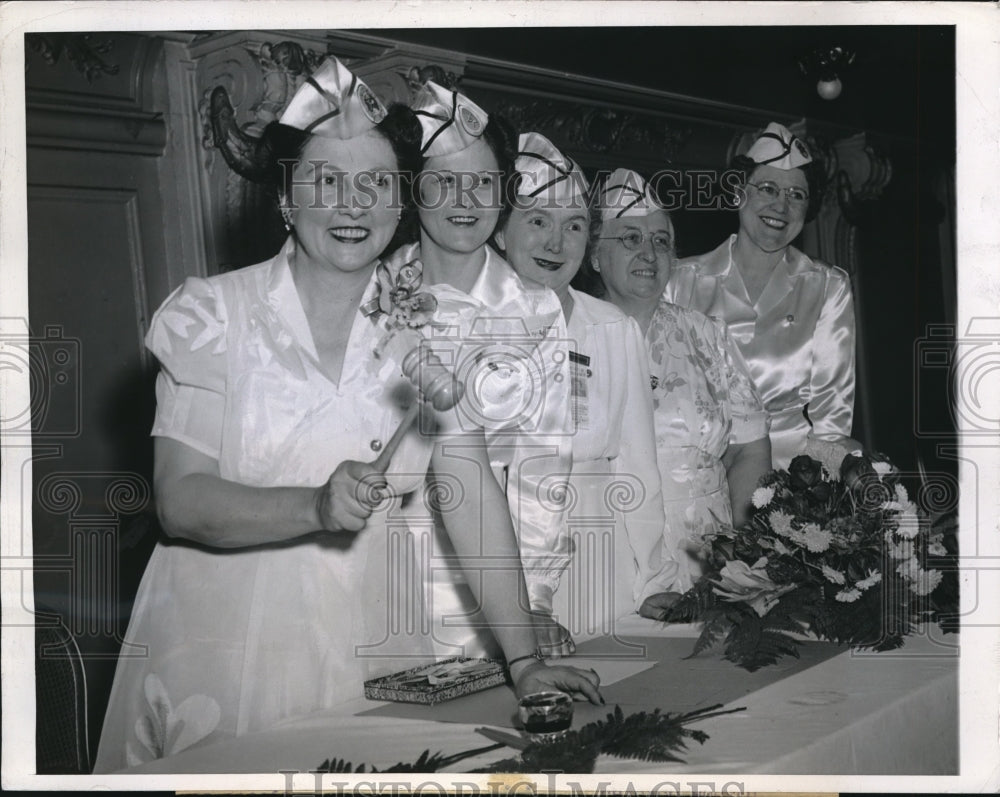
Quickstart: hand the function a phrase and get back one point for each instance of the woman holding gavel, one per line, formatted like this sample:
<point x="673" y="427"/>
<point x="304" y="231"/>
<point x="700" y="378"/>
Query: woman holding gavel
<point x="273" y="577"/>
<point x="462" y="193"/>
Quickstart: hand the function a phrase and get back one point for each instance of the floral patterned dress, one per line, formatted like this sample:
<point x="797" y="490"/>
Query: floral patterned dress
<point x="223" y="642"/>
<point x="703" y="401"/>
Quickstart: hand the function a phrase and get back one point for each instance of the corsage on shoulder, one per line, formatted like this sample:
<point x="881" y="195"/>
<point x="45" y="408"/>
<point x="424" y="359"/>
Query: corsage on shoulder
<point x="400" y="298"/>
<point x="399" y="305"/>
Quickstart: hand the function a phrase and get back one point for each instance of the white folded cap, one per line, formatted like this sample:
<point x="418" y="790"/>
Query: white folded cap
<point x="545" y="172"/>
<point x="779" y="147"/>
<point x="626" y="193"/>
<point x="450" y="121"/>
<point x="334" y="103"/>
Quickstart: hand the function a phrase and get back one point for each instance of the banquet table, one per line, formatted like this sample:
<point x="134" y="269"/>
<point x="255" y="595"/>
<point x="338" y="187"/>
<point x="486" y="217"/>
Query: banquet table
<point x="837" y="712"/>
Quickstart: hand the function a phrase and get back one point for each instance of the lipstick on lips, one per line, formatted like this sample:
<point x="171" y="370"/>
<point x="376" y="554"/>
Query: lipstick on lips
<point x="548" y="265"/>
<point x="773" y="223"/>
<point x="350" y="235"/>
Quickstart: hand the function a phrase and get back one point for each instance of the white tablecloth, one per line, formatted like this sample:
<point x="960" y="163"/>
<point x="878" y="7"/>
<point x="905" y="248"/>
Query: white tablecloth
<point x="852" y="714"/>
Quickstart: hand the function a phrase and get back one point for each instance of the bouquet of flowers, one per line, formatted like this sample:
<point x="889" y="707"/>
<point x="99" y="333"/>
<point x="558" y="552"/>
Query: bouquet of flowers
<point x="834" y="547"/>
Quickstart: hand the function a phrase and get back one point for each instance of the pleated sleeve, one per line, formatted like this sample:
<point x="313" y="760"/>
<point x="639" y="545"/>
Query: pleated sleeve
<point x="188" y="337"/>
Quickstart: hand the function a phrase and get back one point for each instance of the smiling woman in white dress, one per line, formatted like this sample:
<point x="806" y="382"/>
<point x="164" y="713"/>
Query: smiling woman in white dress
<point x="467" y="157"/>
<point x="615" y="520"/>
<point x="270" y="406"/>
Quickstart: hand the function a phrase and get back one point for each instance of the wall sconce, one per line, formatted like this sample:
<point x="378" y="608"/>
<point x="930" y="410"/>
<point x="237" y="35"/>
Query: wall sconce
<point x="826" y="66"/>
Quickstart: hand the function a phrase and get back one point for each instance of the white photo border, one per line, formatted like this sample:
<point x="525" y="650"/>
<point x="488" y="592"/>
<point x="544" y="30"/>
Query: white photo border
<point x="978" y="251"/>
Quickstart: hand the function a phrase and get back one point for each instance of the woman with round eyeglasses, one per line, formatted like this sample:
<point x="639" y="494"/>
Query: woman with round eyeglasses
<point x="615" y="482"/>
<point x="522" y="390"/>
<point x="791" y="315"/>
<point x="711" y="428"/>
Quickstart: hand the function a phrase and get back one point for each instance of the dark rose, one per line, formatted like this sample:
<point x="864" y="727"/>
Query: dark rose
<point x="821" y="492"/>
<point x="853" y="468"/>
<point x="804" y="472"/>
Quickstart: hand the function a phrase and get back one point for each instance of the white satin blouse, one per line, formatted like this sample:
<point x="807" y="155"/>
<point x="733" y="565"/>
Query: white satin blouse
<point x="797" y="338"/>
<point x="528" y="436"/>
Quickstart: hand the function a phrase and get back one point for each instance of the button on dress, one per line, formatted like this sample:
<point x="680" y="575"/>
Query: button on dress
<point x="223" y="642"/>
<point x="798" y="339"/>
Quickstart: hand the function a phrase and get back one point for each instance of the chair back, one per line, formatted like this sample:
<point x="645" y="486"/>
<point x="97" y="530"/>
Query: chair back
<point x="61" y="743"/>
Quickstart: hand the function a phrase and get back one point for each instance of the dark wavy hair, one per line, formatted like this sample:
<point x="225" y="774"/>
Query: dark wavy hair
<point x="281" y="145"/>
<point x="501" y="137"/>
<point x="813" y="171"/>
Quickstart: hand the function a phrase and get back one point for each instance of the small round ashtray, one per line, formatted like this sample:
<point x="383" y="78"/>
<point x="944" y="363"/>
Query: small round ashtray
<point x="545" y="715"/>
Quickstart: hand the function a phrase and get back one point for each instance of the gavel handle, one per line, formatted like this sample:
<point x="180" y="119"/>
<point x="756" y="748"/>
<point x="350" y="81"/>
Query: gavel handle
<point x="381" y="463"/>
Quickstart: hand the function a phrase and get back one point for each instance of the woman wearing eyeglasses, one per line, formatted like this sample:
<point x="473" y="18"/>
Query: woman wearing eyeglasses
<point x="710" y="424"/>
<point x="791" y="316"/>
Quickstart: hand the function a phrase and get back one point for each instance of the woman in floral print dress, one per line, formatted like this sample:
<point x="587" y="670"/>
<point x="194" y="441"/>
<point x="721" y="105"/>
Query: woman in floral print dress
<point x="711" y="427"/>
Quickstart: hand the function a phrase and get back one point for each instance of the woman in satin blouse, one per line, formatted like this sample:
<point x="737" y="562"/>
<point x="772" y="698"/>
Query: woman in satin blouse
<point x="615" y="481"/>
<point x="791" y="316"/>
<point x="270" y="594"/>
<point x="710" y="424"/>
<point x="462" y="194"/>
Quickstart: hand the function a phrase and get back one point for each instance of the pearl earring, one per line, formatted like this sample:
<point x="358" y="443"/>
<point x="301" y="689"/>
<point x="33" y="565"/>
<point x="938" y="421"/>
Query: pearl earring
<point x="286" y="217"/>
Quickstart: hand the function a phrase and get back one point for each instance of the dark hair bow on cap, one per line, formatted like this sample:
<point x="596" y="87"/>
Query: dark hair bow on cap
<point x="779" y="147"/>
<point x="626" y="193"/>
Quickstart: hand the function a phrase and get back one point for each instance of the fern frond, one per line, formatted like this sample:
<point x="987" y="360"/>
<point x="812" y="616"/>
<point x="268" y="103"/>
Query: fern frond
<point x="711" y="633"/>
<point x="654" y="736"/>
<point x="693" y="605"/>
<point x="339" y="765"/>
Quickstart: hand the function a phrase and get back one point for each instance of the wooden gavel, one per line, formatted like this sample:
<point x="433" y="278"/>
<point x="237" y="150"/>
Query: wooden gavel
<point x="435" y="383"/>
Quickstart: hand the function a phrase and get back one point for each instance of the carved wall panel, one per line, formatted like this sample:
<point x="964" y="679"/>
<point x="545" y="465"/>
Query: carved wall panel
<point x="244" y="80"/>
<point x="92" y="92"/>
<point x="398" y="75"/>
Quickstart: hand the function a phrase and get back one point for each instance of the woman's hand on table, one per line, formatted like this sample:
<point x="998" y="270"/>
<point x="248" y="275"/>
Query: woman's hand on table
<point x="553" y="639"/>
<point x="349" y="496"/>
<point x="656" y="607"/>
<point x="536" y="676"/>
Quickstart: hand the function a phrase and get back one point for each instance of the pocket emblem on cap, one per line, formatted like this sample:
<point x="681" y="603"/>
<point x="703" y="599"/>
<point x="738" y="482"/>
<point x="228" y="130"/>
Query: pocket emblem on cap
<point x="469" y="121"/>
<point x="803" y="150"/>
<point x="371" y="105"/>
